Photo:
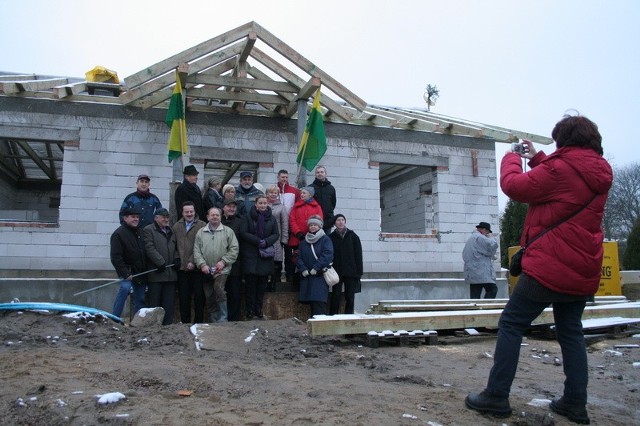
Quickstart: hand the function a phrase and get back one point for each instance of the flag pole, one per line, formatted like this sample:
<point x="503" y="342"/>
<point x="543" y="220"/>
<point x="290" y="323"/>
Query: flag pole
<point x="302" y="112"/>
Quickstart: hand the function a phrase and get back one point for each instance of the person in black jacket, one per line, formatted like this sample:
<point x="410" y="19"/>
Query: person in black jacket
<point x="347" y="261"/>
<point x="189" y="190"/>
<point x="233" y="285"/>
<point x="325" y="195"/>
<point x="258" y="231"/>
<point x="128" y="258"/>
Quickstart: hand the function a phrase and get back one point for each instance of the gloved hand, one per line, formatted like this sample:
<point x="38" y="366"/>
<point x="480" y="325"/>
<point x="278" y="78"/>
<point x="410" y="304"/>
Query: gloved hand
<point x="162" y="267"/>
<point x="305" y="273"/>
<point x="262" y="244"/>
<point x="300" y="236"/>
<point x="313" y="272"/>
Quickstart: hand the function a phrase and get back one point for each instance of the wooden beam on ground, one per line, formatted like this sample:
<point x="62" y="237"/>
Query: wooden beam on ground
<point x="447" y="320"/>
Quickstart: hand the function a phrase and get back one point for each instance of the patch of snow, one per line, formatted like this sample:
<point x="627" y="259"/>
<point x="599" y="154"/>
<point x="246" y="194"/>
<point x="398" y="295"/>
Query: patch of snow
<point x="77" y="392"/>
<point x="612" y="352"/>
<point x="122" y="415"/>
<point x="252" y="333"/>
<point x="409" y="416"/>
<point x="109" y="398"/>
<point x="60" y="403"/>
<point x="144" y="311"/>
<point x="636" y="365"/>
<point x="33" y="398"/>
<point x="430" y="423"/>
<point x="538" y="402"/>
<point x="20" y="402"/>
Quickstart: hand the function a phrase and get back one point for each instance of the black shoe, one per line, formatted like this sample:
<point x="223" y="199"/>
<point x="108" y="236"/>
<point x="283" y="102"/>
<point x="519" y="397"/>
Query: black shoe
<point x="484" y="402"/>
<point x="575" y="413"/>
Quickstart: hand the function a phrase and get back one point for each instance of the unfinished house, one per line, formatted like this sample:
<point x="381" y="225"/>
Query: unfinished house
<point x="413" y="184"/>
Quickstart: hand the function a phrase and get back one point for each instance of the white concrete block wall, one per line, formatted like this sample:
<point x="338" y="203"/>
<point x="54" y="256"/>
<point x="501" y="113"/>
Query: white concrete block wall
<point x="102" y="170"/>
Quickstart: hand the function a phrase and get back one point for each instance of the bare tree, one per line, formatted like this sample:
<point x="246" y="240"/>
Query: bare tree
<point x="623" y="204"/>
<point x="431" y="95"/>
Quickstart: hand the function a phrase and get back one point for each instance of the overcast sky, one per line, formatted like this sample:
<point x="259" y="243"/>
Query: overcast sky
<point x="514" y="64"/>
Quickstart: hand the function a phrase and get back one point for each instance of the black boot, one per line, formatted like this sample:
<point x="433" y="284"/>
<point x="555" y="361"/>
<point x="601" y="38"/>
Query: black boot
<point x="575" y="413"/>
<point x="484" y="402"/>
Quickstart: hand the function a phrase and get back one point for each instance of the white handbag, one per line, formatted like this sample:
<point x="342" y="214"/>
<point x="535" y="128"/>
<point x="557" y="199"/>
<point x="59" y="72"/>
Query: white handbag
<point x="330" y="275"/>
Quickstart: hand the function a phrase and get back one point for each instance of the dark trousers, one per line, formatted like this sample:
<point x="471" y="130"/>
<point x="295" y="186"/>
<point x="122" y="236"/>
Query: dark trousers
<point x="233" y="287"/>
<point x="318" y="308"/>
<point x="335" y="296"/>
<point x="516" y="318"/>
<point x="254" y="295"/>
<point x="490" y="290"/>
<point x="289" y="267"/>
<point x="163" y="295"/>
<point x="190" y="286"/>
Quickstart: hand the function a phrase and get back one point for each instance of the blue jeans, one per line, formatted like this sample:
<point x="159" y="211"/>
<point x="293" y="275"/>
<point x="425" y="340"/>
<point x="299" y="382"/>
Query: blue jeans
<point x="123" y="293"/>
<point x="515" y="320"/>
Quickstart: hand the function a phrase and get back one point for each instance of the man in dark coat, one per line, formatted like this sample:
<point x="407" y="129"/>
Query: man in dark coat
<point x="143" y="201"/>
<point x="233" y="285"/>
<point x="189" y="190"/>
<point x="325" y="195"/>
<point x="160" y="246"/>
<point x="347" y="261"/>
<point x="128" y="257"/>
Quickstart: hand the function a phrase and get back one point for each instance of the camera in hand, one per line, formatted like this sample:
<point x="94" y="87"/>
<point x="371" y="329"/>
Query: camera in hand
<point x="519" y="148"/>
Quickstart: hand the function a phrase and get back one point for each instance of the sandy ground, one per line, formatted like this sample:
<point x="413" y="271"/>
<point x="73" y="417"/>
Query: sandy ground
<point x="54" y="368"/>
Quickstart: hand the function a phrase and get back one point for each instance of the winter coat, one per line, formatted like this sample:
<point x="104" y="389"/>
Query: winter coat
<point x="185" y="240"/>
<point x="347" y="256"/>
<point x="234" y="222"/>
<point x="325" y="195"/>
<point x="161" y="250"/>
<point x="252" y="263"/>
<point x="245" y="199"/>
<point x="127" y="252"/>
<point x="313" y="288"/>
<point x="279" y="212"/>
<point x="211" y="198"/>
<point x="212" y="246"/>
<point x="145" y="203"/>
<point x="288" y="195"/>
<point x="298" y="217"/>
<point x="567" y="259"/>
<point x="477" y="255"/>
<point x="187" y="191"/>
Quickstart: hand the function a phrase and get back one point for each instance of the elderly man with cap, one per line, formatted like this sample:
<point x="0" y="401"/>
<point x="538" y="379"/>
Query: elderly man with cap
<point x="478" y="253"/>
<point x="161" y="249"/>
<point x="143" y="201"/>
<point x="189" y="190"/>
<point x="128" y="258"/>
<point x="246" y="194"/>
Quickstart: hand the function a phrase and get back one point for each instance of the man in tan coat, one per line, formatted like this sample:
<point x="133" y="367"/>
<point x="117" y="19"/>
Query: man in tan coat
<point x="189" y="277"/>
<point x="216" y="249"/>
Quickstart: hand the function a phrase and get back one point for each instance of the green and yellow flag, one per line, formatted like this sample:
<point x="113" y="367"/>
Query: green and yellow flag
<point x="313" y="144"/>
<point x="175" y="120"/>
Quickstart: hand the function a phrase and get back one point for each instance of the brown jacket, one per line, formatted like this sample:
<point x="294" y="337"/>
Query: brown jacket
<point x="185" y="240"/>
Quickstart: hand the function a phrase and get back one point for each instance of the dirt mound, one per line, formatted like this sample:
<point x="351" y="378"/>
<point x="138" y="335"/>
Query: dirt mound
<point x="55" y="367"/>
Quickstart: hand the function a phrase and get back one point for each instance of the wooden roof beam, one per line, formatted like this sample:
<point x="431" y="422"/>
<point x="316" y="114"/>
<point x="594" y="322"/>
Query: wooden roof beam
<point x="17" y="77"/>
<point x="36" y="159"/>
<point x="305" y="92"/>
<point x="69" y="89"/>
<point x="187" y="56"/>
<point x="163" y="84"/>
<point x="205" y="92"/>
<point x="292" y="78"/>
<point x="248" y="45"/>
<point x="31" y="85"/>
<point x="242" y="83"/>
<point x="307" y="66"/>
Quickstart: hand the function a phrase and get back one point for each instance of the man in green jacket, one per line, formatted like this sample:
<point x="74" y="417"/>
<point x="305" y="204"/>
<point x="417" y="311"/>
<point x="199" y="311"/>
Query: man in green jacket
<point x="216" y="249"/>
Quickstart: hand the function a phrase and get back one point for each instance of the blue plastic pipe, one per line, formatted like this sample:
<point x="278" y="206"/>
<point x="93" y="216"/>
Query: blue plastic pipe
<point x="30" y="306"/>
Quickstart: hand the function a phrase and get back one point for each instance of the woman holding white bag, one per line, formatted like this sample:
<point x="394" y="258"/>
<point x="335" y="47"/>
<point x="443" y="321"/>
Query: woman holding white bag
<point x="315" y="254"/>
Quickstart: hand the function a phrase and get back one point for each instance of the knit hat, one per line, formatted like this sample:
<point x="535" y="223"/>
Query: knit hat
<point x="310" y="189"/>
<point x="314" y="220"/>
<point x="337" y="216"/>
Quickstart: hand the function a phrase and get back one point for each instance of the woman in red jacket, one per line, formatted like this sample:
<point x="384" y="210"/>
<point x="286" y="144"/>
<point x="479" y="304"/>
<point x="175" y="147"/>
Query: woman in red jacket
<point x="562" y="268"/>
<point x="302" y="210"/>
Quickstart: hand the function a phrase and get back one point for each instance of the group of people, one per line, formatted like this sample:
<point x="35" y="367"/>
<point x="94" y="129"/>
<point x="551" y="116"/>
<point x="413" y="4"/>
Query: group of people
<point x="250" y="235"/>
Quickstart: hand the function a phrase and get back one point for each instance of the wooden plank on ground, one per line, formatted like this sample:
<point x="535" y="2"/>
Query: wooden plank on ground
<point x="446" y="320"/>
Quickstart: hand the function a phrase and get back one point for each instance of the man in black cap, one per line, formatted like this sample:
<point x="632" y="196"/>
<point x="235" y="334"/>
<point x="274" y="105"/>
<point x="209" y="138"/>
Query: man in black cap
<point x="478" y="253"/>
<point x="128" y="258"/>
<point x="143" y="201"/>
<point x="189" y="190"/>
<point x="246" y="194"/>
